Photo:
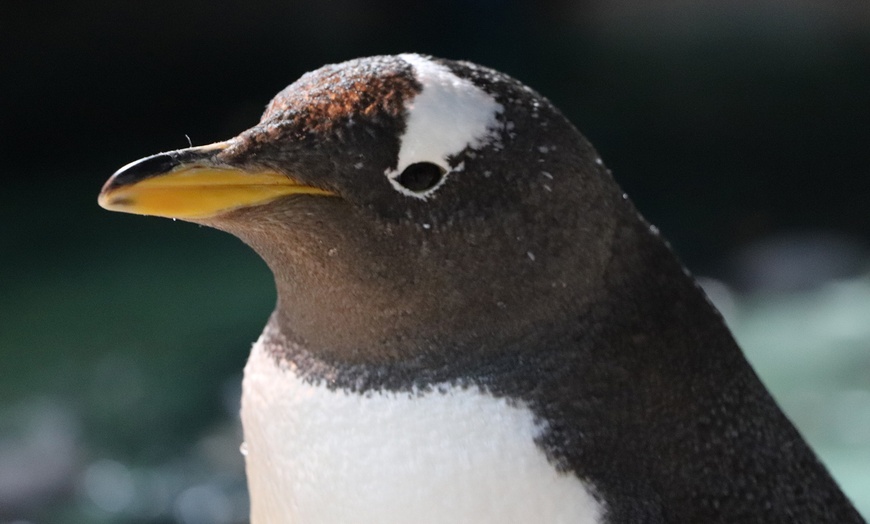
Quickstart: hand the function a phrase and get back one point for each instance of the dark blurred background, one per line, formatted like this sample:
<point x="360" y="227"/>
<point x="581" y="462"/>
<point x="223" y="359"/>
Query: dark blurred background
<point x="740" y="128"/>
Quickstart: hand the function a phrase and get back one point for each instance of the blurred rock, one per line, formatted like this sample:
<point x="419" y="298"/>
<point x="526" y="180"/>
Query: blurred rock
<point x="109" y="485"/>
<point x="39" y="454"/>
<point x="796" y="262"/>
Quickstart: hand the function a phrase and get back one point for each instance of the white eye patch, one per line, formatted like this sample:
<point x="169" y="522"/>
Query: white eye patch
<point x="449" y="114"/>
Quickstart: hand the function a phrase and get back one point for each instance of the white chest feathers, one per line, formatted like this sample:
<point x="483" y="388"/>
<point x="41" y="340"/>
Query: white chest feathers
<point x="316" y="456"/>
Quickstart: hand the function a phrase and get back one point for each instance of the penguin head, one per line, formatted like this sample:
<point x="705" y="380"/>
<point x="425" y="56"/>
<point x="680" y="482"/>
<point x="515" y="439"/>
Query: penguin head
<point x="418" y="202"/>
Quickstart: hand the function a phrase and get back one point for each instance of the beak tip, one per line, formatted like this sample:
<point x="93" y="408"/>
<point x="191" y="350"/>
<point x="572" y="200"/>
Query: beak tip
<point x="108" y="203"/>
<point x="103" y="201"/>
<point x="133" y="173"/>
<point x="105" y="198"/>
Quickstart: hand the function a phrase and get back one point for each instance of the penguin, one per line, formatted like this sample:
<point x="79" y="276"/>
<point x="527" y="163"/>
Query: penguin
<point x="474" y="324"/>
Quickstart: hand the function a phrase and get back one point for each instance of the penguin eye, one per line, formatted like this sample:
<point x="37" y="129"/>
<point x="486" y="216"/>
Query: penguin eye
<point x="420" y="176"/>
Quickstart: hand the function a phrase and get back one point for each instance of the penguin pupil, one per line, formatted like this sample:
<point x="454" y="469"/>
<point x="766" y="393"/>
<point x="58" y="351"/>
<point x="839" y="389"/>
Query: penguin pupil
<point x="420" y="176"/>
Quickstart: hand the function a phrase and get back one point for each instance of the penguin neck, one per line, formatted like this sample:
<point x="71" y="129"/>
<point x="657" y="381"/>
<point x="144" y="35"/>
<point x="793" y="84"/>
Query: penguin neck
<point x="354" y="296"/>
<point x="356" y="323"/>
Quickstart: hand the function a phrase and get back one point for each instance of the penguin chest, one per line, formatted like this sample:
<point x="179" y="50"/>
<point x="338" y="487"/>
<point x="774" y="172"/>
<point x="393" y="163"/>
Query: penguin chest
<point x="457" y="455"/>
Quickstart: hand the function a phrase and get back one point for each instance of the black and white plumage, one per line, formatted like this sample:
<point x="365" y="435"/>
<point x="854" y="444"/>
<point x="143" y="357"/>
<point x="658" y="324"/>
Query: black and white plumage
<point x="473" y="323"/>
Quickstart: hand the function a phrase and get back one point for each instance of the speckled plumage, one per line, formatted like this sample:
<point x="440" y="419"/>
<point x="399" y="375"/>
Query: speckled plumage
<point x="525" y="275"/>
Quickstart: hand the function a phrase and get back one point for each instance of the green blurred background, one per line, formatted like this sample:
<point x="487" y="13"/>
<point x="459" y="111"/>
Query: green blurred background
<point x="741" y="130"/>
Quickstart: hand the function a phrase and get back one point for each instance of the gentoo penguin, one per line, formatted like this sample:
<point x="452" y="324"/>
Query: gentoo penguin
<point x="473" y="323"/>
